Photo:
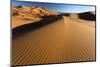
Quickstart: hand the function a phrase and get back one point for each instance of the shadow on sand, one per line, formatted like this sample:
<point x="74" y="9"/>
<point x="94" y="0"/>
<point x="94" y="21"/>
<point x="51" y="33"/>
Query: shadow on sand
<point x="87" y="16"/>
<point x="18" y="31"/>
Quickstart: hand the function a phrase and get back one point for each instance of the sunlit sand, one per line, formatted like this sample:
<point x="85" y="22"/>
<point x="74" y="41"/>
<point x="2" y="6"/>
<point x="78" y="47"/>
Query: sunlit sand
<point x="67" y="39"/>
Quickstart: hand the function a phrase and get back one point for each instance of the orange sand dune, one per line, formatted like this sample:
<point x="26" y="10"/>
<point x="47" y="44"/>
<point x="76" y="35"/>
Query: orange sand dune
<point x="50" y="37"/>
<point x="24" y="15"/>
<point x="65" y="40"/>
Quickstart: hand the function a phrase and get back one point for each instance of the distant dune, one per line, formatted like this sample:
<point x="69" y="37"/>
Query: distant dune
<point x="35" y="11"/>
<point x="23" y="15"/>
<point x="89" y="16"/>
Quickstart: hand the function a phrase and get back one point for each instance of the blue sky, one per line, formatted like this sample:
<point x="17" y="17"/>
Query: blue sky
<point x="64" y="8"/>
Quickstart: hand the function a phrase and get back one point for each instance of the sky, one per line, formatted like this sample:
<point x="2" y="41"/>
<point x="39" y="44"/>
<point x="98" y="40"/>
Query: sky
<point x="64" y="8"/>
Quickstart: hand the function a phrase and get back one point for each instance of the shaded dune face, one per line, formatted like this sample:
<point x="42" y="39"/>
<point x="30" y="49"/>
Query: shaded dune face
<point x="87" y="16"/>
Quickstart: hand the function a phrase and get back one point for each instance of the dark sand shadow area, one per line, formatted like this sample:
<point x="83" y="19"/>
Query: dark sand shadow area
<point x="87" y="16"/>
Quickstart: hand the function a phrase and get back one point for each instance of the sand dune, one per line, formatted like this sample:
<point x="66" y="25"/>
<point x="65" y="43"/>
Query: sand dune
<point x="54" y="39"/>
<point x="87" y="16"/>
<point x="24" y="15"/>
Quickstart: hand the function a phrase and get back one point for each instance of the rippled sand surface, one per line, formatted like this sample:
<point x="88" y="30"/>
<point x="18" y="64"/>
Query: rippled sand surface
<point x="65" y="40"/>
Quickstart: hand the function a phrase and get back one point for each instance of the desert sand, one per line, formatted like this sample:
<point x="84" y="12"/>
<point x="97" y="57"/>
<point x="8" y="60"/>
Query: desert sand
<point x="66" y="39"/>
<point x="24" y="15"/>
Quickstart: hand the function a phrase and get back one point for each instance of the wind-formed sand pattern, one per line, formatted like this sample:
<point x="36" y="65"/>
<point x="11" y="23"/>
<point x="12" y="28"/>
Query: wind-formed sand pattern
<point x="56" y="38"/>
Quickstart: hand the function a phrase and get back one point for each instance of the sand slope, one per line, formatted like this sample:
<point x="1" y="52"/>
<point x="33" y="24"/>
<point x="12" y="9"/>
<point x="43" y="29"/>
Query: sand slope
<point x="22" y="15"/>
<point x="68" y="39"/>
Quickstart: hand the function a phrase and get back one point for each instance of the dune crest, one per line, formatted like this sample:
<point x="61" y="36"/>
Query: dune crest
<point x="24" y="14"/>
